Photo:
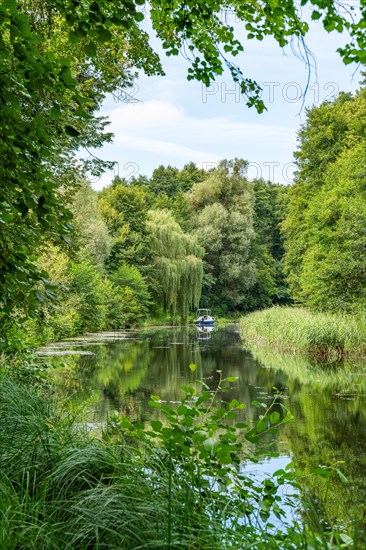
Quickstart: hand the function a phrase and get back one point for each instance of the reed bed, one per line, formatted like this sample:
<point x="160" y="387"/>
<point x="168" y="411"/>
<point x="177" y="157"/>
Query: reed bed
<point x="296" y="329"/>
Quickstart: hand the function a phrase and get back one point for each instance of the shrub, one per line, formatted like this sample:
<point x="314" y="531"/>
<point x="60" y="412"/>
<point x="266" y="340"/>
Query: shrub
<point x="86" y="283"/>
<point x="129" y="276"/>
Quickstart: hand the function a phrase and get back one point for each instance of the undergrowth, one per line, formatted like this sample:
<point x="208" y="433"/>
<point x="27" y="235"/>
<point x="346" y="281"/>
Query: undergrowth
<point x="176" y="483"/>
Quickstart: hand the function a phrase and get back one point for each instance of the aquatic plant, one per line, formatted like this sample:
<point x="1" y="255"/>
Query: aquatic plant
<point x="298" y="329"/>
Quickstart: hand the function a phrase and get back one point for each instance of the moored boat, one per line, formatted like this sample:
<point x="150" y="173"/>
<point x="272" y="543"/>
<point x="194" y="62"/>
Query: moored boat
<point x="204" y="317"/>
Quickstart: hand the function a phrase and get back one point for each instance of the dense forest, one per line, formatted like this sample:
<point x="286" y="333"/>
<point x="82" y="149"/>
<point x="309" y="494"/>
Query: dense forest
<point x="73" y="260"/>
<point x="158" y="247"/>
<point x="325" y="228"/>
<point x="155" y="248"/>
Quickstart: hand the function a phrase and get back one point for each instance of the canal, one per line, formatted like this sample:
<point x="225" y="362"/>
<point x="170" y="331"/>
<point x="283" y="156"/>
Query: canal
<point x="116" y="373"/>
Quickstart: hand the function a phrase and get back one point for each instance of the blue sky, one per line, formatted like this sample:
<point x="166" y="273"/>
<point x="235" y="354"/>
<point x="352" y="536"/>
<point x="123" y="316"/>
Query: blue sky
<point x="176" y="121"/>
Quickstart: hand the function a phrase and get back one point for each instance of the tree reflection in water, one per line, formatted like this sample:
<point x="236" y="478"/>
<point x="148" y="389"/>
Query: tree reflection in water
<point x="327" y="399"/>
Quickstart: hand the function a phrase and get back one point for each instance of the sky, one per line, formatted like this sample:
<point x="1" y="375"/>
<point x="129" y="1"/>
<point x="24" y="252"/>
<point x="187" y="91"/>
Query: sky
<point x="175" y="121"/>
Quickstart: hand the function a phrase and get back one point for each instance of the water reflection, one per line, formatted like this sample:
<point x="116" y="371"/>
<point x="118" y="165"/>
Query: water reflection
<point x="204" y="332"/>
<point x="327" y="400"/>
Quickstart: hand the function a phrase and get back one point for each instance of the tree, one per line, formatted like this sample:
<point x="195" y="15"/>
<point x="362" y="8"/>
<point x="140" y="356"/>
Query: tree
<point x="129" y="276"/>
<point x="90" y="237"/>
<point x="223" y="219"/>
<point x="169" y="186"/>
<point x="124" y="209"/>
<point x="267" y="249"/>
<point x="177" y="265"/>
<point x="324" y="227"/>
<point x="58" y="62"/>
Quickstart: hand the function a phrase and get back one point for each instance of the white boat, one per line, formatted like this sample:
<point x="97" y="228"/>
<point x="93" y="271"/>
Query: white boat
<point x="204" y="317"/>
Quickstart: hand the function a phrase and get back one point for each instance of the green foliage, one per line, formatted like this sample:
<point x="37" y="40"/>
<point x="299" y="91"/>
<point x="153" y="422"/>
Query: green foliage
<point x="129" y="276"/>
<point x="176" y="482"/>
<point x="124" y="209"/>
<point x="222" y="214"/>
<point x="86" y="284"/>
<point x="133" y="310"/>
<point x="324" y="228"/>
<point x="267" y="247"/>
<point x="298" y="329"/>
<point x="176" y="277"/>
<point x="170" y="181"/>
<point x="57" y="63"/>
<point x="91" y="238"/>
<point x="211" y="41"/>
<point x="123" y="309"/>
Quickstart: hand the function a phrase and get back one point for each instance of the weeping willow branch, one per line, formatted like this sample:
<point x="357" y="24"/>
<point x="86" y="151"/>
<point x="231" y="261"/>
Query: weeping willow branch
<point x="178" y="264"/>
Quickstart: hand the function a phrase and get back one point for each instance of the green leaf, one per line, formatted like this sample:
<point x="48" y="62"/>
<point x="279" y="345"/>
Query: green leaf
<point x="155" y="398"/>
<point x="274" y="417"/>
<point x="90" y="49"/>
<point x="138" y="16"/>
<point x="316" y="15"/>
<point x="104" y="36"/>
<point x="346" y="539"/>
<point x="261" y="426"/>
<point x="156" y="425"/>
<point x="74" y="37"/>
<point x="323" y="472"/>
<point x="341" y="476"/>
<point x="241" y="425"/>
<point x="71" y="131"/>
<point x="6" y="217"/>
<point x="193" y="367"/>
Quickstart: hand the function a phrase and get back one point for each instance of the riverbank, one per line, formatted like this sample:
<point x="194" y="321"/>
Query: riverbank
<point x="181" y="465"/>
<point x="296" y="330"/>
<point x="63" y="487"/>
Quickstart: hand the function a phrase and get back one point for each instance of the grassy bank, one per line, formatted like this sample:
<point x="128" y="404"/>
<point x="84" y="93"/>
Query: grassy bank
<point x="171" y="485"/>
<point x="300" y="330"/>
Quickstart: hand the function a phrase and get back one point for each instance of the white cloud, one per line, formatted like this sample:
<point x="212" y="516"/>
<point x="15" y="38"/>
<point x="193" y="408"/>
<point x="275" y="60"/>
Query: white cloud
<point x="142" y="122"/>
<point x="164" y="148"/>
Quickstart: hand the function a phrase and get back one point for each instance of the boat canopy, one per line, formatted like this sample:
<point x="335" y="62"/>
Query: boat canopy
<point x="208" y="311"/>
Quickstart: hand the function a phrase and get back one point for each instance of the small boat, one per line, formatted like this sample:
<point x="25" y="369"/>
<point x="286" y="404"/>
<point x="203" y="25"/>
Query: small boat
<point x="204" y="317"/>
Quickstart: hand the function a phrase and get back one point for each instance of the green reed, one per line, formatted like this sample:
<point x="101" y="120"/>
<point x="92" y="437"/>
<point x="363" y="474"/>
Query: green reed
<point x="300" y="330"/>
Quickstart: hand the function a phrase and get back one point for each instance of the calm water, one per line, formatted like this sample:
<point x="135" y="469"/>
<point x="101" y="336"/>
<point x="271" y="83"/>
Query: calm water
<point x="328" y="401"/>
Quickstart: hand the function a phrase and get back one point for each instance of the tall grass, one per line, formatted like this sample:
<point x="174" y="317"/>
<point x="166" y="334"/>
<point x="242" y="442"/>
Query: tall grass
<point x="63" y="488"/>
<point x="300" y="330"/>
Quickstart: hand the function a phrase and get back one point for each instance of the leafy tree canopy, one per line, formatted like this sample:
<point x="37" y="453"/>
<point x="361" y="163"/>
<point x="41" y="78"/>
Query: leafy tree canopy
<point x="324" y="227"/>
<point x="177" y="264"/>
<point x="58" y="60"/>
<point x="223" y="219"/>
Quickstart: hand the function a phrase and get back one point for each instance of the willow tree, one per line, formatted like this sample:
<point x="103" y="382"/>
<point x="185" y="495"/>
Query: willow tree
<point x="223" y="207"/>
<point x="177" y="264"/>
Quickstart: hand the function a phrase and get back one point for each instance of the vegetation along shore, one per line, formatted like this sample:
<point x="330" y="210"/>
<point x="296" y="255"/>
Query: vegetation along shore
<point x="76" y="258"/>
<point x="297" y="329"/>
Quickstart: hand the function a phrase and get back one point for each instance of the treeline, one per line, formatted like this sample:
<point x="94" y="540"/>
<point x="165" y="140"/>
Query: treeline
<point x="325" y="228"/>
<point x="156" y="248"/>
